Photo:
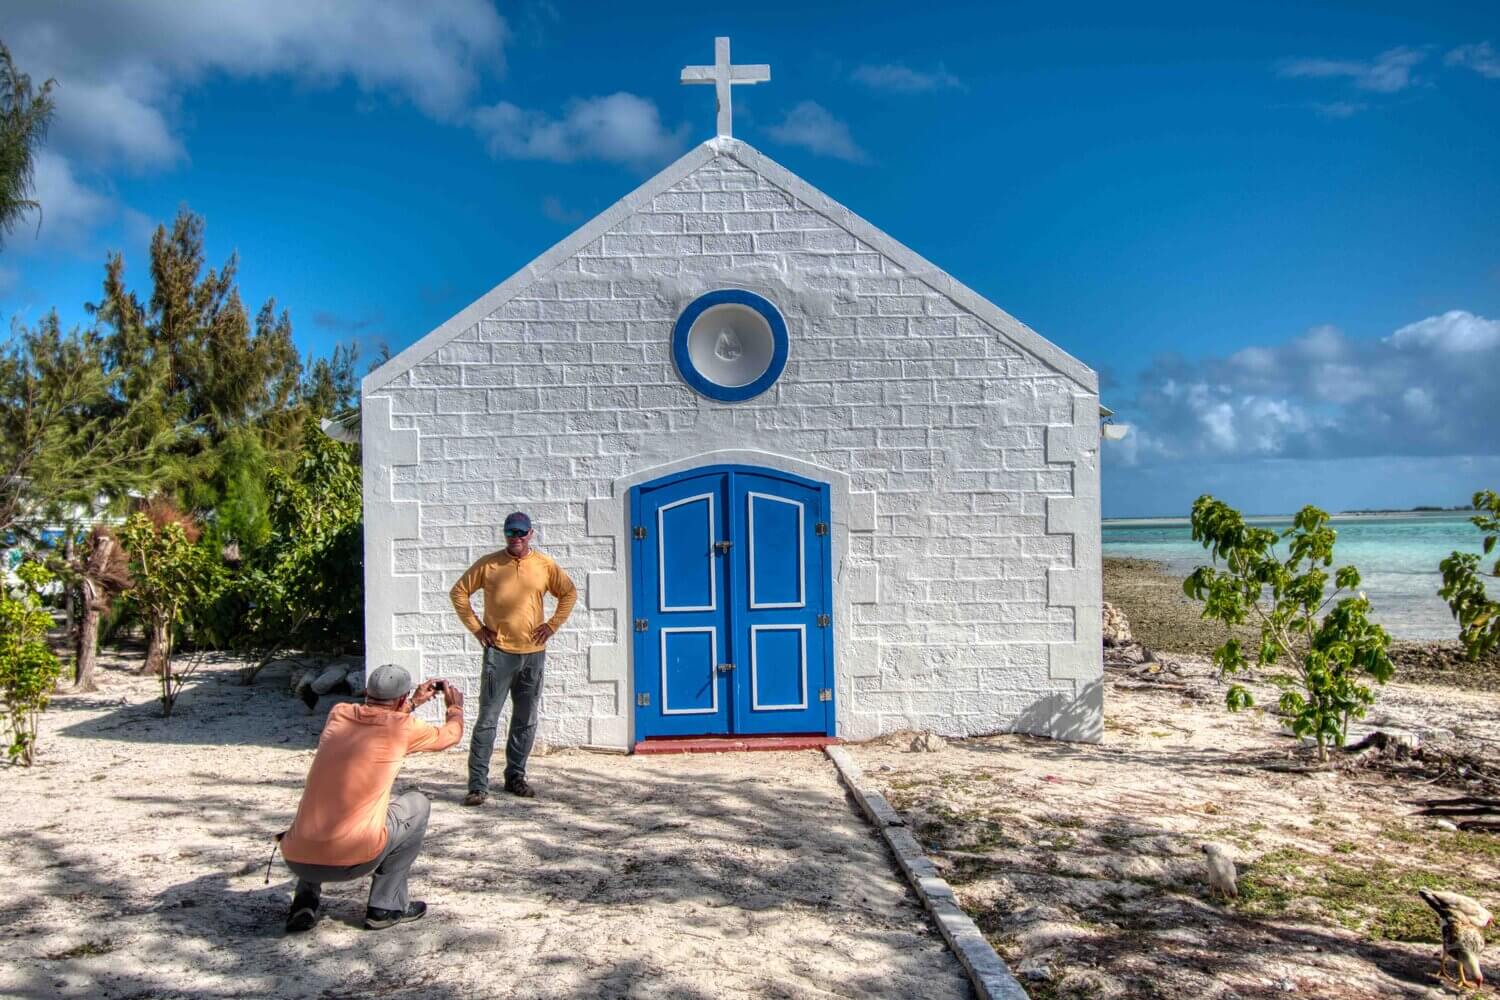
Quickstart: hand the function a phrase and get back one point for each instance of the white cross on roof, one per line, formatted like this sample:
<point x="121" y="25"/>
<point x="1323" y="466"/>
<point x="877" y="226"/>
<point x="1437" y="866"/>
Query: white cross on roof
<point x="722" y="75"/>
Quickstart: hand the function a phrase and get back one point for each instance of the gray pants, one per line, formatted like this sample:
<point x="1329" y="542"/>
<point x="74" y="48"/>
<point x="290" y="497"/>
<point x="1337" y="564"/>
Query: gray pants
<point x="405" y="825"/>
<point x="520" y="676"/>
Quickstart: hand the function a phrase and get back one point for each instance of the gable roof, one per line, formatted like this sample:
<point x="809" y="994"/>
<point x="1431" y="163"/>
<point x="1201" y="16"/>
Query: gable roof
<point x="918" y="267"/>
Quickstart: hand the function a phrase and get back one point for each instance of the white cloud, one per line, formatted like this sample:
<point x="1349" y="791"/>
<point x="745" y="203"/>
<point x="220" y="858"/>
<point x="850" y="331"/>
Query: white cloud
<point x="905" y="80"/>
<point x="1480" y="57"/>
<point x="810" y="126"/>
<point x="1455" y="332"/>
<point x="1388" y="73"/>
<point x="122" y="70"/>
<point x="1339" y="110"/>
<point x="620" y="128"/>
<point x="1426" y="389"/>
<point x="429" y="53"/>
<point x="102" y="122"/>
<point x="69" y="209"/>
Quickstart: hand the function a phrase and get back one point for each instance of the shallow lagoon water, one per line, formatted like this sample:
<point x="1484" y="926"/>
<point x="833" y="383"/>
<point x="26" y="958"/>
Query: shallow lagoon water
<point x="1397" y="556"/>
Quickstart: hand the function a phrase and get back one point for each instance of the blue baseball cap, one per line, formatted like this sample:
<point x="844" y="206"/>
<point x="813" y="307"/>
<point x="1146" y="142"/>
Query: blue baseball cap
<point x="517" y="521"/>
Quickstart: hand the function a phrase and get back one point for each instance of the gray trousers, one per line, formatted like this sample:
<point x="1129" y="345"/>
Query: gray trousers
<point x="518" y="675"/>
<point x="405" y="826"/>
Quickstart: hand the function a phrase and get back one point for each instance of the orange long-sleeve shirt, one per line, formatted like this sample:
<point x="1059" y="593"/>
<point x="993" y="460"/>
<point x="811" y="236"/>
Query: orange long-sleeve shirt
<point x="513" y="591"/>
<point x="341" y="818"/>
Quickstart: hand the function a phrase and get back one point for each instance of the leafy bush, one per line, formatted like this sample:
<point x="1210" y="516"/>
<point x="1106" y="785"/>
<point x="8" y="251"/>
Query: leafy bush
<point x="1478" y="614"/>
<point x="28" y="668"/>
<point x="305" y="587"/>
<point x="171" y="575"/>
<point x="1323" y="662"/>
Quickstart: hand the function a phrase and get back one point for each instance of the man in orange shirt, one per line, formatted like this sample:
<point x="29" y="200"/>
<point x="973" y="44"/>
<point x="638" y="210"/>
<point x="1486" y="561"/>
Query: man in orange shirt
<point x="347" y="824"/>
<point x="514" y="636"/>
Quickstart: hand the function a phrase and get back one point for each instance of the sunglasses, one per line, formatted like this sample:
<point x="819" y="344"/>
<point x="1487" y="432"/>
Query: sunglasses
<point x="516" y="533"/>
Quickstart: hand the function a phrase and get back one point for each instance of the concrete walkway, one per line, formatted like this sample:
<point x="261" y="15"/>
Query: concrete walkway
<point x="138" y="849"/>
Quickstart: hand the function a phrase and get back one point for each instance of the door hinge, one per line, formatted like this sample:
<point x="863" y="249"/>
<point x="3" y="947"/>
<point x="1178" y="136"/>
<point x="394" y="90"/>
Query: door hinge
<point x="824" y="621"/>
<point x="724" y="668"/>
<point x="723" y="547"/>
<point x="825" y="694"/>
<point x="639" y="531"/>
<point x="821" y="528"/>
<point x="642" y="624"/>
<point x="643" y="699"/>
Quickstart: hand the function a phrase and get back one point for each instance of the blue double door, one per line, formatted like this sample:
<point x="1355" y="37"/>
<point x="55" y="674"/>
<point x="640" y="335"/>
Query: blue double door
<point x="731" y="592"/>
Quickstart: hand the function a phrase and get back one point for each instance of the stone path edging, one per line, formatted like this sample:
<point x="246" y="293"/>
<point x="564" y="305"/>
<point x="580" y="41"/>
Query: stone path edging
<point x="991" y="977"/>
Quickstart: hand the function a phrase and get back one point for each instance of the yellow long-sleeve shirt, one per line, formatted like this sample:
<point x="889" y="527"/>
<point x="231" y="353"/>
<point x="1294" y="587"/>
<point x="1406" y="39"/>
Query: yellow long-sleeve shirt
<point x="513" y="591"/>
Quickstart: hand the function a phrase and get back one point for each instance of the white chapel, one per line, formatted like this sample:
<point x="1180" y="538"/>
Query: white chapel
<point x="807" y="483"/>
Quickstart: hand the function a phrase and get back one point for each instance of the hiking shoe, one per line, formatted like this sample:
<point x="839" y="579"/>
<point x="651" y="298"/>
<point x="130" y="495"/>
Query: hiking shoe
<point x="377" y="919"/>
<point x="518" y="786"/>
<point x="304" y="913"/>
<point x="475" y="799"/>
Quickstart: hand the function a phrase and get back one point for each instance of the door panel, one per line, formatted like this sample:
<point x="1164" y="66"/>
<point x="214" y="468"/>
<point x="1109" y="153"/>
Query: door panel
<point x="782" y="659"/>
<point x="730" y="592"/>
<point x="778" y="667"/>
<point x="690" y="670"/>
<point x="774" y="535"/>
<point x="679" y="594"/>
<point x="684" y="534"/>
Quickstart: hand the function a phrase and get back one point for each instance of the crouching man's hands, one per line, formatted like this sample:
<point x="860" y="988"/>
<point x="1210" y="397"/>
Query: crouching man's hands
<point x="423" y="694"/>
<point x="427" y="690"/>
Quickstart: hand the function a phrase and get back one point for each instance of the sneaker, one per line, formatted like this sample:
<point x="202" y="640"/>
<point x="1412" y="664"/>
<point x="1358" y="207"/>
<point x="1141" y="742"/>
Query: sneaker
<point x="378" y="919"/>
<point x="475" y="799"/>
<point x="304" y="913"/>
<point x="518" y="786"/>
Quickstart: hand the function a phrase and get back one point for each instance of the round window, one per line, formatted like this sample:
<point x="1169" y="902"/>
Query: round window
<point x="730" y="345"/>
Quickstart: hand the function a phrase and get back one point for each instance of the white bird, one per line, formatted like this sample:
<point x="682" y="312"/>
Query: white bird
<point x="1222" y="878"/>
<point x="1462" y="920"/>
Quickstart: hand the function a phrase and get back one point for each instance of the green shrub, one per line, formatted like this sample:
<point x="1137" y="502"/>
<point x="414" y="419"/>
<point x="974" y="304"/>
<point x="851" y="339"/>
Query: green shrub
<point x="1478" y="614"/>
<point x="1320" y="664"/>
<point x="305" y="587"/>
<point x="28" y="668"/>
<point x="172" y="575"/>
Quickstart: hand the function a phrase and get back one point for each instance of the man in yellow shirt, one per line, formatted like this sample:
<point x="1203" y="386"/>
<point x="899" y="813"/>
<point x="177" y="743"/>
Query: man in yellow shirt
<point x="514" y="636"/>
<point x="347" y="824"/>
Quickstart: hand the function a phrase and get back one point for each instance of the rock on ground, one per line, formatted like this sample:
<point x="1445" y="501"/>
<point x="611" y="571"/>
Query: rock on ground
<point x="1116" y="626"/>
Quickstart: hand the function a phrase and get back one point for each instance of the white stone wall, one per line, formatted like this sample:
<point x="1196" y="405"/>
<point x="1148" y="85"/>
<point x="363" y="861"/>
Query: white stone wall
<point x="974" y="462"/>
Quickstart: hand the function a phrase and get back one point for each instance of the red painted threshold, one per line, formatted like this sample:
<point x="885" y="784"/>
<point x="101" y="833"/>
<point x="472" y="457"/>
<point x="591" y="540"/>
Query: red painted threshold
<point x="726" y="744"/>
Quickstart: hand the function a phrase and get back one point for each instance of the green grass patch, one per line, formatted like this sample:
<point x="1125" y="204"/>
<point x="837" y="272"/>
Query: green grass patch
<point x="1370" y="896"/>
<point x="101" y="947"/>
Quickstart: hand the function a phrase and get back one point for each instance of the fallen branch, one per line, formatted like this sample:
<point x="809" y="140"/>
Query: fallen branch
<point x="1464" y="805"/>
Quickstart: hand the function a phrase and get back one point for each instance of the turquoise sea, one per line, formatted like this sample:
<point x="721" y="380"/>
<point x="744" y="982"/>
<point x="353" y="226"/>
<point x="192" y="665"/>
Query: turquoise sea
<point x="1397" y="556"/>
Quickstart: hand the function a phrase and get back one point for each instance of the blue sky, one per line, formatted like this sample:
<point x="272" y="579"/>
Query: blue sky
<point x="1274" y="229"/>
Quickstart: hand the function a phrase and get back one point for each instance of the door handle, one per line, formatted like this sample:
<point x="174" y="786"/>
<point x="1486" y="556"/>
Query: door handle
<point x="723" y="547"/>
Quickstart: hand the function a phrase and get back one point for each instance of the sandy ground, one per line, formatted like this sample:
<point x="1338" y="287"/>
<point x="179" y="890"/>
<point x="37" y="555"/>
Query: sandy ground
<point x="135" y="853"/>
<point x="1082" y="864"/>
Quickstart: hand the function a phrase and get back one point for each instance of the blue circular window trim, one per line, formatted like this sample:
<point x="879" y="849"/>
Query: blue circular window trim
<point x="713" y="390"/>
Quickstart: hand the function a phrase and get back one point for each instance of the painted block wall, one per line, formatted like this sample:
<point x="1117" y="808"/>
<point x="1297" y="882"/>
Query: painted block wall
<point x="966" y="499"/>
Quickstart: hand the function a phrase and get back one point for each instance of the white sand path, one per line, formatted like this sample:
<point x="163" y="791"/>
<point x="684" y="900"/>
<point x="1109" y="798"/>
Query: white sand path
<point x="135" y="853"/>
